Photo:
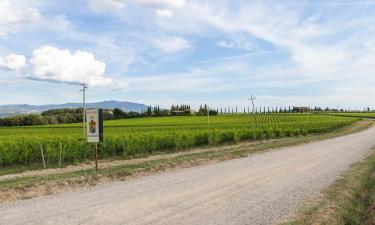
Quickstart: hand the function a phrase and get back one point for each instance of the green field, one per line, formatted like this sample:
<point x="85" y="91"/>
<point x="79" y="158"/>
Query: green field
<point x="143" y="136"/>
<point x="356" y="114"/>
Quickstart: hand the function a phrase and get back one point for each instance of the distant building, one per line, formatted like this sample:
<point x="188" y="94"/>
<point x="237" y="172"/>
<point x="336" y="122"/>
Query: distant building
<point x="301" y="109"/>
<point x="178" y="113"/>
<point x="186" y="112"/>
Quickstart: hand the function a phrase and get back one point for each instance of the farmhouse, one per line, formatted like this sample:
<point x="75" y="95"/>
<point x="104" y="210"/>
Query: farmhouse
<point x="301" y="109"/>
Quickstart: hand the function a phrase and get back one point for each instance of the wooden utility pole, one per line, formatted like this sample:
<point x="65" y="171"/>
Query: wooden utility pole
<point x="84" y="87"/>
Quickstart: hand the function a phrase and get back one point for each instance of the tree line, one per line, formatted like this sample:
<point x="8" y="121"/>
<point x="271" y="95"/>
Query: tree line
<point x="63" y="116"/>
<point x="49" y="117"/>
<point x="55" y="116"/>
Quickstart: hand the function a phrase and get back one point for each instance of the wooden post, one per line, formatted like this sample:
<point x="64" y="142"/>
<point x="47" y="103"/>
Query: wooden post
<point x="124" y="149"/>
<point x="42" y="153"/>
<point x="96" y="157"/>
<point x="60" y="158"/>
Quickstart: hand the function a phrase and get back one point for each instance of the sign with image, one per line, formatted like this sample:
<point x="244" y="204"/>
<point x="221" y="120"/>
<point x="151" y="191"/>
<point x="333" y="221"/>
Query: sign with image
<point x="94" y="125"/>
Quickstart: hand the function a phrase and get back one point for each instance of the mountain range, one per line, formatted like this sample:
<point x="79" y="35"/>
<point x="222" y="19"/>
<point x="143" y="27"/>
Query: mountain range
<point x="15" y="109"/>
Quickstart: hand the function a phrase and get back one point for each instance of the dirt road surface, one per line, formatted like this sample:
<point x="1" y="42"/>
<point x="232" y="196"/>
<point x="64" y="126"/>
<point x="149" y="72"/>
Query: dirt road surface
<point x="264" y="188"/>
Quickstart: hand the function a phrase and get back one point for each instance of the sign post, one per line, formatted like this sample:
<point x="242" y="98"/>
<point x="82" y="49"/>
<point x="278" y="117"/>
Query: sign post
<point x="94" y="129"/>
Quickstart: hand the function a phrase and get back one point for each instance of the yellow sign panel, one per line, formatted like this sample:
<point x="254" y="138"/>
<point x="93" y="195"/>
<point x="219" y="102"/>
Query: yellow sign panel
<point x="92" y="124"/>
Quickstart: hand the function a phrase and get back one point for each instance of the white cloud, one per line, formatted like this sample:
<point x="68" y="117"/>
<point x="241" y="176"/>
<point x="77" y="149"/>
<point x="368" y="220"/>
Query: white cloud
<point x="53" y="64"/>
<point x="357" y="97"/>
<point x="162" y="4"/>
<point x="237" y="44"/>
<point x="12" y="17"/>
<point x="12" y="62"/>
<point x="162" y="7"/>
<point x="318" y="58"/>
<point x="172" y="44"/>
<point x="101" y="6"/>
<point x="166" y="13"/>
<point x="319" y="46"/>
<point x="61" y="23"/>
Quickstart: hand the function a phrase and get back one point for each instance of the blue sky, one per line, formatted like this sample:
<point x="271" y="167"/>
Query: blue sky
<point x="189" y="52"/>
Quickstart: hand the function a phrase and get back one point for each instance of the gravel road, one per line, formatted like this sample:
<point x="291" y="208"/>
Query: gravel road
<point x="264" y="188"/>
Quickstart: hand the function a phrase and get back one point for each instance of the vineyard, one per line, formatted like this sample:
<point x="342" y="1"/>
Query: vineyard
<point x="143" y="136"/>
<point x="356" y="114"/>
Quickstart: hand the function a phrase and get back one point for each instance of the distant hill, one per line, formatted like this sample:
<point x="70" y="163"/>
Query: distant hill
<point x="9" y="110"/>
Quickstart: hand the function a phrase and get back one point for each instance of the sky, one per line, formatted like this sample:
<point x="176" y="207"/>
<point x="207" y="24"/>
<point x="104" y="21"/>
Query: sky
<point x="164" y="52"/>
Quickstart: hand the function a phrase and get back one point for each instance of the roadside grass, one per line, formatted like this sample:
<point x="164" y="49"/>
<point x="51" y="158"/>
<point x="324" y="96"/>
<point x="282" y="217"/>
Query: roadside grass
<point x="33" y="166"/>
<point x="33" y="186"/>
<point x="350" y="200"/>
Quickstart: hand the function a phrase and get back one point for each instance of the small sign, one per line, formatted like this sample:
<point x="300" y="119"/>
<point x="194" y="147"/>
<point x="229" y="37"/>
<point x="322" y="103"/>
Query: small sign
<point x="94" y="124"/>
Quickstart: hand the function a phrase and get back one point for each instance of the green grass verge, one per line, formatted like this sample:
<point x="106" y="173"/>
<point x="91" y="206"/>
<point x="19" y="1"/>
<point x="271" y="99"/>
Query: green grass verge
<point x="33" y="166"/>
<point x="351" y="200"/>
